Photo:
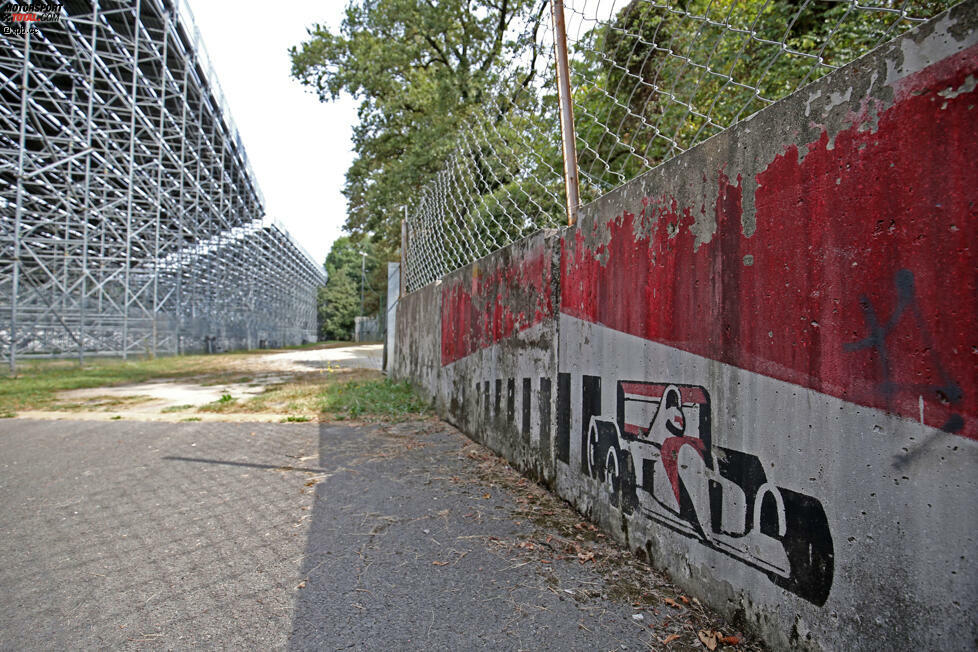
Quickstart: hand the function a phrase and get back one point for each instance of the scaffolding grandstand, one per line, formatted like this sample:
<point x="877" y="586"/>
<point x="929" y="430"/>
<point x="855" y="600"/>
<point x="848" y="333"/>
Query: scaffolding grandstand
<point x="132" y="222"/>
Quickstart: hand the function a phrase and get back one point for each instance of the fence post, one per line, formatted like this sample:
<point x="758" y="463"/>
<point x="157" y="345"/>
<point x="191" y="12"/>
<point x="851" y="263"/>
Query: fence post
<point x="567" y="133"/>
<point x="404" y="244"/>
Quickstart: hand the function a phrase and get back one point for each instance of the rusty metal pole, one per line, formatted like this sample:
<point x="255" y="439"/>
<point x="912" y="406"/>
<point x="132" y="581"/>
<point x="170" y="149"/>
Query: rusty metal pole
<point x="567" y="133"/>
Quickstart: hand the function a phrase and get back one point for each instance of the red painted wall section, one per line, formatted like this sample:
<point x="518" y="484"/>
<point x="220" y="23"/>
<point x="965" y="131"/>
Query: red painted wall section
<point x="860" y="280"/>
<point x="494" y="304"/>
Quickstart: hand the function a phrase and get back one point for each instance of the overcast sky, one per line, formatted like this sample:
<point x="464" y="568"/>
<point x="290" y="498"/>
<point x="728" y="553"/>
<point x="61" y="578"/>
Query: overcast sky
<point x="299" y="148"/>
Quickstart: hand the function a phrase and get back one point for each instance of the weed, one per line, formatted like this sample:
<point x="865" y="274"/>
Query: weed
<point x="373" y="400"/>
<point x="7" y="414"/>
<point x="225" y="398"/>
<point x="115" y="417"/>
<point x="191" y="419"/>
<point x="295" y="419"/>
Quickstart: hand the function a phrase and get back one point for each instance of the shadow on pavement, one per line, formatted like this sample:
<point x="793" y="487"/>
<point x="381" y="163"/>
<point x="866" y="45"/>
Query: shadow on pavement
<point x="409" y="549"/>
<point x="279" y="467"/>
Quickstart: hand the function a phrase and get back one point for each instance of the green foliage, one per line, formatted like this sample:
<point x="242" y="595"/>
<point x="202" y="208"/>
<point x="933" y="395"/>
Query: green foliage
<point x="450" y="84"/>
<point x="659" y="81"/>
<point x="376" y="399"/>
<point x="417" y="68"/>
<point x="339" y="300"/>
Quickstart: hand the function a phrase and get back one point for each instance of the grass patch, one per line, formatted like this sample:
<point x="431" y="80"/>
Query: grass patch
<point x="295" y="419"/>
<point x="328" y="393"/>
<point x="226" y="403"/>
<point x="99" y="403"/>
<point x="37" y="383"/>
<point x="176" y="408"/>
<point x="380" y="399"/>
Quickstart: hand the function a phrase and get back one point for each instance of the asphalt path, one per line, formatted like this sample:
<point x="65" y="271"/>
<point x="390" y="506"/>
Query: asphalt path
<point x="302" y="536"/>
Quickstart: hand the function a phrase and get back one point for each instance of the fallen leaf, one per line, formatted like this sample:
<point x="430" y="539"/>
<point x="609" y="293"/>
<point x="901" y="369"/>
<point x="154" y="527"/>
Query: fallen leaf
<point x="708" y="638"/>
<point x="730" y="640"/>
<point x="672" y="603"/>
<point x="669" y="639"/>
<point x="486" y="496"/>
<point x="439" y="563"/>
<point x="302" y="585"/>
<point x="684" y="599"/>
<point x="585" y="556"/>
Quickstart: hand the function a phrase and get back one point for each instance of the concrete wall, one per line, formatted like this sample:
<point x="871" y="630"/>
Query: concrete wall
<point x="499" y="351"/>
<point x="761" y="356"/>
<point x="393" y="297"/>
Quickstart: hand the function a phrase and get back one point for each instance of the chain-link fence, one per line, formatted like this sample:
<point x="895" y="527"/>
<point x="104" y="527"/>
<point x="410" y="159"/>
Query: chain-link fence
<point x="648" y="81"/>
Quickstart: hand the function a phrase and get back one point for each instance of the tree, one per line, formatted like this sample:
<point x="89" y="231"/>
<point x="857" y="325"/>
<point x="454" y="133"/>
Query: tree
<point x="339" y="301"/>
<point x="661" y="79"/>
<point x="418" y="67"/>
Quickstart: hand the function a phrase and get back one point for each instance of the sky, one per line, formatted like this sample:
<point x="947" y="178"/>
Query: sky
<point x="299" y="147"/>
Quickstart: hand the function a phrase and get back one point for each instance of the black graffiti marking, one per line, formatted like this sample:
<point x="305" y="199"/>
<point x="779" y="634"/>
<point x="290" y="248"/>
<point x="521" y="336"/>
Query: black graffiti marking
<point x="526" y="410"/>
<point x="629" y="460"/>
<point x="510" y="400"/>
<point x="948" y="392"/>
<point x="545" y="413"/>
<point x="590" y="407"/>
<point x="562" y="445"/>
<point x="499" y="393"/>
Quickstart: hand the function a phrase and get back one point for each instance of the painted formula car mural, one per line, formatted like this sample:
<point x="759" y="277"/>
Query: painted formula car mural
<point x="657" y="458"/>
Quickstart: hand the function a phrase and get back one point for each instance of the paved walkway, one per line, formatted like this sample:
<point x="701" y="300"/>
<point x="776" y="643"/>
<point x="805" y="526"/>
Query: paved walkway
<point x="304" y="536"/>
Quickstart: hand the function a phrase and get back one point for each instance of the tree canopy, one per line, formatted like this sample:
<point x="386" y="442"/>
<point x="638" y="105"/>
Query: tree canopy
<point x="417" y="67"/>
<point x="456" y="86"/>
<point x="339" y="300"/>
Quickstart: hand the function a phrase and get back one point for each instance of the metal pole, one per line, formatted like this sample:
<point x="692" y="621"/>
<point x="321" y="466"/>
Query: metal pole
<point x="182" y="209"/>
<point x="87" y="206"/>
<point x="567" y="133"/>
<point x="404" y="246"/>
<point x="18" y="212"/>
<point x="363" y="271"/>
<point x="159" y="186"/>
<point x="132" y="178"/>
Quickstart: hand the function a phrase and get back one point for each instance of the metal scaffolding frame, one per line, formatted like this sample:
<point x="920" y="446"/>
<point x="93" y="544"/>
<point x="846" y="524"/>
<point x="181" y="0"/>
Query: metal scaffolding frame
<point x="131" y="218"/>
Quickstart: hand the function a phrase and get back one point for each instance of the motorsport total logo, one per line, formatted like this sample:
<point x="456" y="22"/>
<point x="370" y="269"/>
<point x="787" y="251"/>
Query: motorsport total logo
<point x="18" y="19"/>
